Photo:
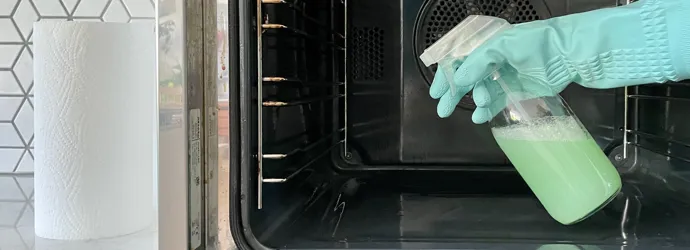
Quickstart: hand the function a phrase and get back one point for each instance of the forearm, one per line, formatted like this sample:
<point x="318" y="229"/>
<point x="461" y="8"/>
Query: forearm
<point x="678" y="23"/>
<point x="644" y="42"/>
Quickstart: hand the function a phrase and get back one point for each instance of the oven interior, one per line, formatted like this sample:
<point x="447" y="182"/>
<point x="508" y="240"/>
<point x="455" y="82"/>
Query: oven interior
<point x="336" y="142"/>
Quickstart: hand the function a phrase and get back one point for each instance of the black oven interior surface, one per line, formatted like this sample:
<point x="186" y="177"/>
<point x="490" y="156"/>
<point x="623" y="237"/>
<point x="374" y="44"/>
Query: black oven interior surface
<point x="336" y="142"/>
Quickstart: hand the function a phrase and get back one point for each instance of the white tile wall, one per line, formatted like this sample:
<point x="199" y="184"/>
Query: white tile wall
<point x="16" y="64"/>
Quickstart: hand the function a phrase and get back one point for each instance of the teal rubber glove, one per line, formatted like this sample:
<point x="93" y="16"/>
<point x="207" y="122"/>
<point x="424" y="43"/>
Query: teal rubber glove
<point x="643" y="42"/>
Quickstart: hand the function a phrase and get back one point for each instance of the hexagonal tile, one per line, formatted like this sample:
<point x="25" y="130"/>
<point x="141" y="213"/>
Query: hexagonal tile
<point x="8" y="136"/>
<point x="8" y="107"/>
<point x="6" y="7"/>
<point x="10" y="190"/>
<point x="10" y="157"/>
<point x="90" y="8"/>
<point x="25" y="17"/>
<point x="116" y="13"/>
<point x="25" y="121"/>
<point x="9" y="32"/>
<point x="8" y="85"/>
<point x="26" y="165"/>
<point x="49" y="8"/>
<point x="7" y="55"/>
<point x="139" y="8"/>
<point x="24" y="69"/>
<point x="9" y="213"/>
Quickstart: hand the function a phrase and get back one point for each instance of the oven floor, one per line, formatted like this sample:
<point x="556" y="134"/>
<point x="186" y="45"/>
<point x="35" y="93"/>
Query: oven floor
<point x="399" y="218"/>
<point x="415" y="216"/>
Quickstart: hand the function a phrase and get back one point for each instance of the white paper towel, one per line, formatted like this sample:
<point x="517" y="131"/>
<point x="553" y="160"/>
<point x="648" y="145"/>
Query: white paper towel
<point x="95" y="110"/>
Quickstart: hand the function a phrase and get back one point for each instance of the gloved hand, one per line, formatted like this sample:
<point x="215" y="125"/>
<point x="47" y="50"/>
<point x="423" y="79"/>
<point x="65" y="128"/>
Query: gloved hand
<point x="643" y="42"/>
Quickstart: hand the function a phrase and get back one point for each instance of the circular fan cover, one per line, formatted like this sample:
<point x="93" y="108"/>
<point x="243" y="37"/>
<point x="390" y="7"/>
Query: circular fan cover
<point x="439" y="16"/>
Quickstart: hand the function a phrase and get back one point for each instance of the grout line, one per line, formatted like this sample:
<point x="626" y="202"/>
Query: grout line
<point x="16" y="7"/>
<point x="19" y="162"/>
<point x="16" y="59"/>
<point x="13" y="43"/>
<point x="85" y="18"/>
<point x="107" y="6"/>
<point x="64" y="7"/>
<point x="14" y="63"/>
<point x="129" y="12"/>
<point x="53" y="17"/>
<point x="31" y="33"/>
<point x="21" y="214"/>
<point x="38" y="17"/>
<point x="76" y="5"/>
<point x="21" y="137"/>
<point x="10" y="200"/>
<point x="5" y="174"/>
<point x="38" y="13"/>
<point x="19" y="31"/>
<point x="31" y="55"/>
<point x="20" y="188"/>
<point x="31" y="87"/>
<point x="16" y="113"/>
<point x="19" y="83"/>
<point x="24" y="241"/>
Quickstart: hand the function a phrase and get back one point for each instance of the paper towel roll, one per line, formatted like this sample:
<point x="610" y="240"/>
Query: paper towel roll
<point x="95" y="110"/>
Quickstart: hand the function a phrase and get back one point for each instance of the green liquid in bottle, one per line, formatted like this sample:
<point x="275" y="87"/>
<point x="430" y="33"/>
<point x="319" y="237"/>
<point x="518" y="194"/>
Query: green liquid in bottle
<point x="562" y="164"/>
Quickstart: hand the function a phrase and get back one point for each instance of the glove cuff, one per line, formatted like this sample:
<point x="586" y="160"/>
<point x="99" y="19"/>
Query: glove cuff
<point x="678" y="23"/>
